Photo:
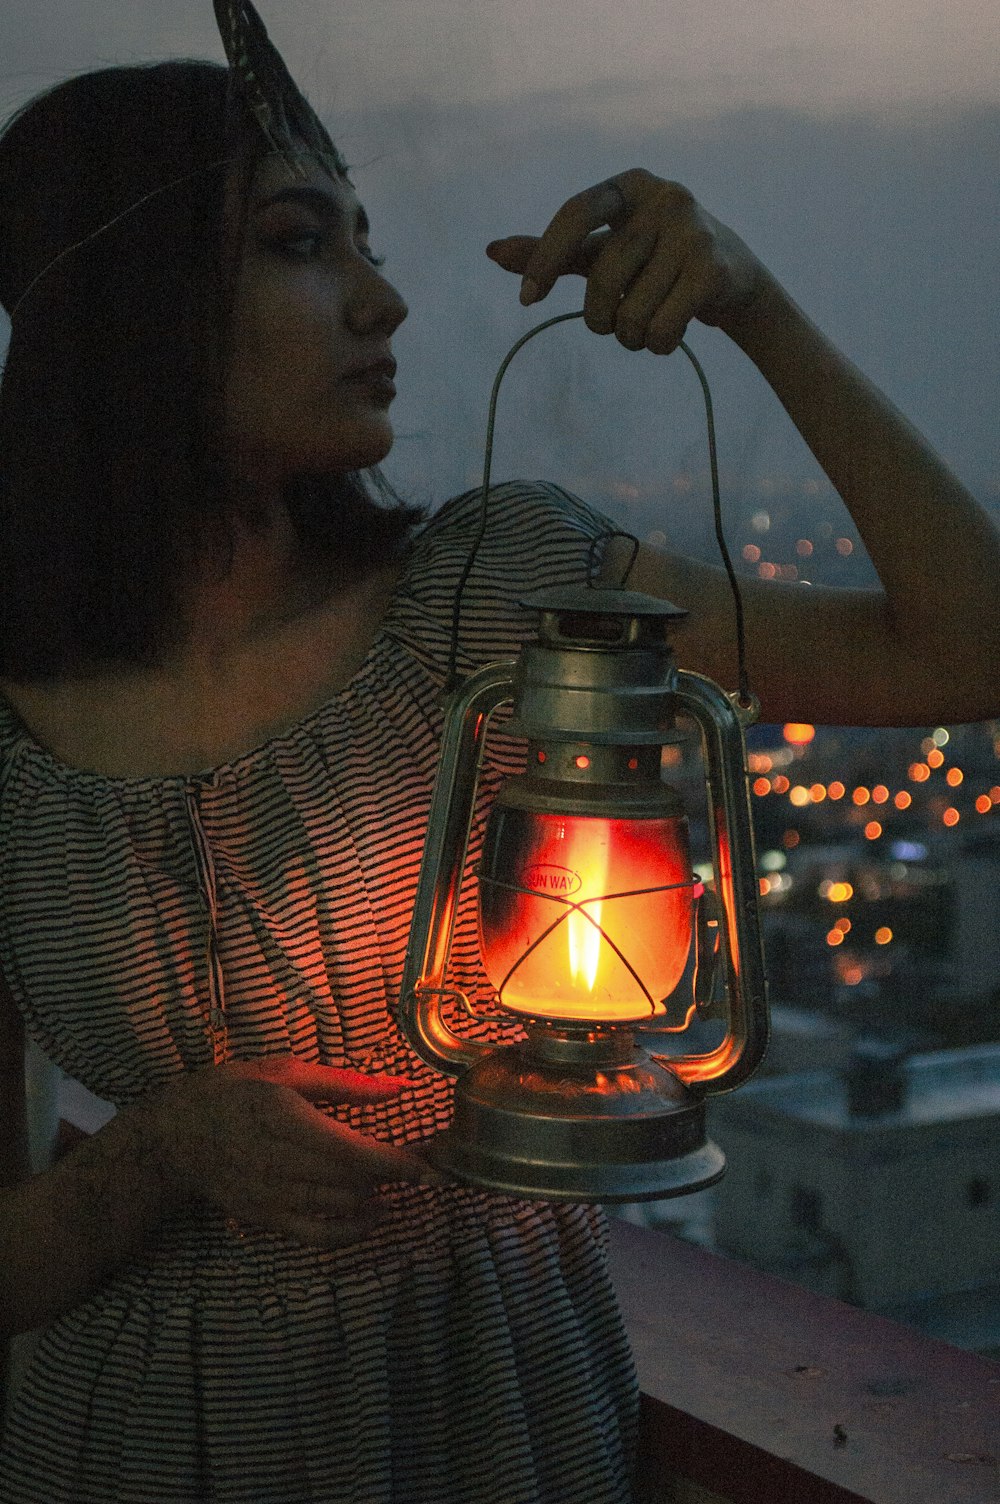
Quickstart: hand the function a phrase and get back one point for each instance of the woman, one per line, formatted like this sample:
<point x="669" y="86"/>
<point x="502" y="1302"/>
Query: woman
<point x="222" y="662"/>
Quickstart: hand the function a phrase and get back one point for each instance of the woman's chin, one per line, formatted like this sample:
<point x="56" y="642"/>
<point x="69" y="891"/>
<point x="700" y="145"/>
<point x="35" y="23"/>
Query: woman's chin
<point x="368" y="445"/>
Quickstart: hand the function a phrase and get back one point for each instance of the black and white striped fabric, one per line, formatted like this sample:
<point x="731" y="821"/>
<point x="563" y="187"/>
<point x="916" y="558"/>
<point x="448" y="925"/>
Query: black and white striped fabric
<point x="472" y="1349"/>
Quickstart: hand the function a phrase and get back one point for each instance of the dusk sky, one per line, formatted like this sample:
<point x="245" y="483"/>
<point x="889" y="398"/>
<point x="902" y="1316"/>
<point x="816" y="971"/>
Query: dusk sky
<point x="674" y="55"/>
<point x="854" y="145"/>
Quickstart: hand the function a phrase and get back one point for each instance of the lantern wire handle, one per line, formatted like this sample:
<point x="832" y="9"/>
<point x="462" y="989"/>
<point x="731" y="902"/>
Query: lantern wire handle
<point x="746" y="699"/>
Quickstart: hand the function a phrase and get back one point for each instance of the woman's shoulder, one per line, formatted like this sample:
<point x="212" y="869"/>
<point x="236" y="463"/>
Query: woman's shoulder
<point x="515" y="538"/>
<point x="513" y="511"/>
<point x="479" y="562"/>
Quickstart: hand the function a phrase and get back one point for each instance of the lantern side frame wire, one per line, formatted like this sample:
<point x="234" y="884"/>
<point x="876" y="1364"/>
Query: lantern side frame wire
<point x="449" y="824"/>
<point x="720" y="719"/>
<point x="445" y="852"/>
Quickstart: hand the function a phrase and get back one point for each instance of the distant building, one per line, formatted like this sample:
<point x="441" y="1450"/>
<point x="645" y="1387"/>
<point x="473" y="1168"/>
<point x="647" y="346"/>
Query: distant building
<point x="878" y="1183"/>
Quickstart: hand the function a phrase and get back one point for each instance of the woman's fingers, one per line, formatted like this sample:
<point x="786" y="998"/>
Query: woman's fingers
<point x="624" y="262"/>
<point x="319" y="1232"/>
<point x="562" y="246"/>
<point x="324" y="1083"/>
<point x="660" y="261"/>
<point x="514" y="252"/>
<point x="332" y="1149"/>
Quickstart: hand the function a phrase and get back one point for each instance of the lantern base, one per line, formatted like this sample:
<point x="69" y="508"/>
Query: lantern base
<point x="576" y="1129"/>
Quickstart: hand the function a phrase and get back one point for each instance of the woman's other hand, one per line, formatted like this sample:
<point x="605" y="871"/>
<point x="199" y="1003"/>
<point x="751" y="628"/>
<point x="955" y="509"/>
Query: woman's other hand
<point x="661" y="261"/>
<point x="245" y="1139"/>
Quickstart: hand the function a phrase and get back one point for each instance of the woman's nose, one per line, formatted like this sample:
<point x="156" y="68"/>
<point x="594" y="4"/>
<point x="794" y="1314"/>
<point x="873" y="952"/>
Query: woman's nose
<point x="376" y="305"/>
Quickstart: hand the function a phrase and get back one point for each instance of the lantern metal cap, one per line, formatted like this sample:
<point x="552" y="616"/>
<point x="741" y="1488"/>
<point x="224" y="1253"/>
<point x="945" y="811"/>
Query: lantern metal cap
<point x="599" y="600"/>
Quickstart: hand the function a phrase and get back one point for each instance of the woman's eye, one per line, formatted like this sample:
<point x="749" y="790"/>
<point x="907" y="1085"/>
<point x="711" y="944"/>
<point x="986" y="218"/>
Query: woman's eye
<point x="301" y="247"/>
<point x="308" y="244"/>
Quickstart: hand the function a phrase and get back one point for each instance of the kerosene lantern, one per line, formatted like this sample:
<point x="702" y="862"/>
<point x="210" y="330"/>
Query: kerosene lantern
<point x="588" y="912"/>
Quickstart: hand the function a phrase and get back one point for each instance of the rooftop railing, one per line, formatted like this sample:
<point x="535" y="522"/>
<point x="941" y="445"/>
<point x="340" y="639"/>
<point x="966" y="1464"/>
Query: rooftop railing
<point x="756" y="1391"/>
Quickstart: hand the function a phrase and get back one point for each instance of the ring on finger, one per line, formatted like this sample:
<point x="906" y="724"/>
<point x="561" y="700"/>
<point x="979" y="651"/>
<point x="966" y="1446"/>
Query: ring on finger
<point x="618" y="213"/>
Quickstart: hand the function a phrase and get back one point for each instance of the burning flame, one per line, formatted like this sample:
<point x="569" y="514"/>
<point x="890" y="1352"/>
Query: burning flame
<point x="583" y="926"/>
<point x="587" y="917"/>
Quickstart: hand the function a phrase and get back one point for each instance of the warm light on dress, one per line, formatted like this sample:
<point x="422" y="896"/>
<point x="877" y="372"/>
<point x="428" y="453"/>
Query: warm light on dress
<point x="584" y="917"/>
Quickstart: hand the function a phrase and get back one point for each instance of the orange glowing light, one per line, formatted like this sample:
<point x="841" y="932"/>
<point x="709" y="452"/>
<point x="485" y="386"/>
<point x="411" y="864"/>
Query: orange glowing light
<point x="781" y="784"/>
<point x="751" y="553"/>
<point x="584" y="917"/>
<point x="817" y="792"/>
<point x="954" y="777"/>
<point x="843" y="924"/>
<point x="583" y="761"/>
<point x="798" y="733"/>
<point x="880" y="794"/>
<point x="836" y="789"/>
<point x="861" y="795"/>
<point x="767" y="571"/>
<point x="764" y="884"/>
<point x="903" y="800"/>
<point x="835" y="936"/>
<point x="935" y="758"/>
<point x="799" y="796"/>
<point x="759" y="762"/>
<point x="803" y="548"/>
<point x="984" y="804"/>
<point x="951" y="816"/>
<point x="844" y="546"/>
<point x="995" y="793"/>
<point x="919" y="772"/>
<point x="836" y="892"/>
<point x="872" y="830"/>
<point x="761" y="787"/>
<point x="883" y="935"/>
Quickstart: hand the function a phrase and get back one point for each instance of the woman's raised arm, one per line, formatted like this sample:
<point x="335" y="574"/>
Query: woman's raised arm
<point x="922" y="648"/>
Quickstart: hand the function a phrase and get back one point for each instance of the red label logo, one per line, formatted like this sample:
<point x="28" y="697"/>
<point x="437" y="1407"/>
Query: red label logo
<point x="546" y="877"/>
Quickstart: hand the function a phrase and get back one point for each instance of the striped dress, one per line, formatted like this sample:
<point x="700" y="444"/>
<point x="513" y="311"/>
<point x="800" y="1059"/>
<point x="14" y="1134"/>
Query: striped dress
<point x="471" y="1350"/>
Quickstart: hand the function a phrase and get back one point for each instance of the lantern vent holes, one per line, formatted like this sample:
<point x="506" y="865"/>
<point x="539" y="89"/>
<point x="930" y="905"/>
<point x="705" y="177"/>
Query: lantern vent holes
<point x="597" y="765"/>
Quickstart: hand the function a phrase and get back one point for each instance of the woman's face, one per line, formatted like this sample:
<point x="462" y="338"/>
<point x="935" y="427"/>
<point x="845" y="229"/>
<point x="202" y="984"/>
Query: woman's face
<point x="309" y="385"/>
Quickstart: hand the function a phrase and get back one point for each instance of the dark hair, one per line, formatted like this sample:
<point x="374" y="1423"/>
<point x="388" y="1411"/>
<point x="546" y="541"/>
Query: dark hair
<point x="112" y="481"/>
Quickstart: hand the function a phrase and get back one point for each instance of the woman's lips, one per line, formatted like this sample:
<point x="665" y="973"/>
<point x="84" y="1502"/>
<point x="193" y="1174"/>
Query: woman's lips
<point x="377" y="378"/>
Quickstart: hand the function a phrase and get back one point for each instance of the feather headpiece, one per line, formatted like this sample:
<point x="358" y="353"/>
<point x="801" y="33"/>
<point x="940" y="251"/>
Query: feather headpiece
<point x="261" y="78"/>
